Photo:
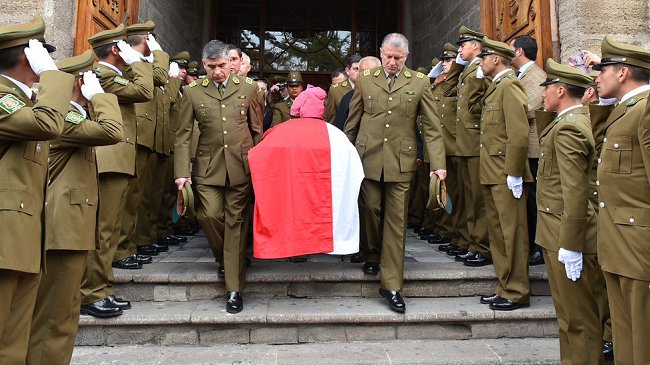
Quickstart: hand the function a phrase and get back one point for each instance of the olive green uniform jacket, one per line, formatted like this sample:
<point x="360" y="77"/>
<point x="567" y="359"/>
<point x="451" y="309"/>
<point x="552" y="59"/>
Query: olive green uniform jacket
<point x="334" y="96"/>
<point x="282" y="111"/>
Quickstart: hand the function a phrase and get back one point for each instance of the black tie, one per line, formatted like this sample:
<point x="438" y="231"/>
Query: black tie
<point x="391" y="82"/>
<point x="517" y="74"/>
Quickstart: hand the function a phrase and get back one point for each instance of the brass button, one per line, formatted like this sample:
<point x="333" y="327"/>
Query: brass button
<point x="225" y="146"/>
<point x="601" y="204"/>
<point x="458" y="108"/>
<point x="22" y="205"/>
<point x="387" y="125"/>
<point x="225" y="132"/>
<point x="548" y="210"/>
<point x="481" y="145"/>
<point x="475" y="125"/>
<point x="605" y="140"/>
<point x="87" y="200"/>
<point x="615" y="145"/>
<point x="443" y="105"/>
<point x="410" y="148"/>
<point x="541" y="154"/>
<point x="223" y="105"/>
<point x="390" y="98"/>
<point x="595" y="193"/>
<point x="385" y="139"/>
<point x="442" y="116"/>
<point x="224" y="119"/>
<point x="442" y="126"/>
<point x="597" y="182"/>
<point x="201" y="104"/>
<point x="600" y="160"/>
<point x="632" y="220"/>
<point x="389" y="112"/>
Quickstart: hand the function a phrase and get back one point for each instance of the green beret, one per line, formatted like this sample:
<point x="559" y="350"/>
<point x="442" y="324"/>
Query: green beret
<point x="77" y="65"/>
<point x="294" y="78"/>
<point x="140" y="28"/>
<point x="491" y="47"/>
<point x="618" y="52"/>
<point x="13" y="35"/>
<point x="449" y="51"/>
<point x="108" y="36"/>
<point x="182" y="58"/>
<point x="467" y="34"/>
<point x="565" y="74"/>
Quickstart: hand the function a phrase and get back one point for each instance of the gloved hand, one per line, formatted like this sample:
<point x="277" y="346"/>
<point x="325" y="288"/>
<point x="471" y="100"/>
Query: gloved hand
<point x="38" y="57"/>
<point x="128" y="54"/>
<point x="461" y="61"/>
<point x="173" y="69"/>
<point x="153" y="43"/>
<point x="436" y="71"/>
<point x="479" y="73"/>
<point x="516" y="184"/>
<point x="572" y="261"/>
<point x="91" y="86"/>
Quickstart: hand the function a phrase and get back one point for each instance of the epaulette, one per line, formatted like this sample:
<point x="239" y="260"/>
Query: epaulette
<point x="205" y="83"/>
<point x="377" y="73"/>
<point x="632" y="101"/>
<point x="335" y="85"/>
<point x="249" y="81"/>
<point x="121" y="80"/>
<point x="74" y="117"/>
<point x="192" y="84"/>
<point x="345" y="83"/>
<point x="407" y="74"/>
<point x="235" y="80"/>
<point x="97" y="70"/>
<point x="10" y="103"/>
<point x="366" y="73"/>
<point x="419" y="75"/>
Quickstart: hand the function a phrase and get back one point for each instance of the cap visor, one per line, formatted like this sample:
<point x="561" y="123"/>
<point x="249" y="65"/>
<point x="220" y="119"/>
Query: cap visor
<point x="597" y="67"/>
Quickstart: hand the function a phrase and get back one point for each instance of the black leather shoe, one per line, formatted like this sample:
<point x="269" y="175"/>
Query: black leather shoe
<point x="536" y="258"/>
<point x="127" y="263"/>
<point x="148" y="250"/>
<point x="119" y="302"/>
<point x="417" y="230"/>
<point x="455" y="250"/>
<point x="445" y="248"/>
<point x="235" y="302"/>
<point x="143" y="259"/>
<point x="101" y="309"/>
<point x="358" y="258"/>
<point x="371" y="268"/>
<point x="463" y="257"/>
<point x="425" y="233"/>
<point x="184" y="231"/>
<point x="395" y="301"/>
<point x="489" y="299"/>
<point x="172" y="240"/>
<point x="438" y="240"/>
<point x="478" y="260"/>
<point x="221" y="272"/>
<point x="160" y="248"/>
<point x="608" y="350"/>
<point x="504" y="304"/>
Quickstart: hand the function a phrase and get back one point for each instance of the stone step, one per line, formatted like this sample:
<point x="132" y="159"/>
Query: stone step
<point x="269" y="320"/>
<point x="538" y="351"/>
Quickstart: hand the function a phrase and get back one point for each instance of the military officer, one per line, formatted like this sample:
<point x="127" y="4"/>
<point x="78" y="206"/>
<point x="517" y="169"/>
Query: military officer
<point x="391" y="96"/>
<point x="93" y="119"/>
<point x="27" y="119"/>
<point x="282" y="108"/>
<point x="339" y="89"/>
<point x="504" y="169"/>
<point x="566" y="220"/>
<point x="624" y="194"/>
<point x="115" y="165"/>
<point x="230" y="118"/>
<point x="192" y="72"/>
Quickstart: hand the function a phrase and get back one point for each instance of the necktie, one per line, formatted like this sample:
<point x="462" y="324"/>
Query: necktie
<point x="221" y="87"/>
<point x="391" y="82"/>
<point x="517" y="74"/>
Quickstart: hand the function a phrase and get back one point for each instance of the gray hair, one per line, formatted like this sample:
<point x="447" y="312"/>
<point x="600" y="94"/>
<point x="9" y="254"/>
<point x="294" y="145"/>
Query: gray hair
<point x="371" y="61"/>
<point x="396" y="40"/>
<point x="245" y="60"/>
<point x="215" y="49"/>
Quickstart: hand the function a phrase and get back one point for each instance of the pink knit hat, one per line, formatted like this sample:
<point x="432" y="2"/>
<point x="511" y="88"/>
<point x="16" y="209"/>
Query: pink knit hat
<point x="310" y="103"/>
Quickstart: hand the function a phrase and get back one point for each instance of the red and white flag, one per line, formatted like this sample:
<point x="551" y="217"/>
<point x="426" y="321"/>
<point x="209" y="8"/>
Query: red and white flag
<point x="306" y="176"/>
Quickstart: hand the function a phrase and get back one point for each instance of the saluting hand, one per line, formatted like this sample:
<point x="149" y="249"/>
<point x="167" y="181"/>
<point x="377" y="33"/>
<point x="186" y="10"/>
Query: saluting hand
<point x="38" y="57"/>
<point x="128" y="54"/>
<point x="91" y="85"/>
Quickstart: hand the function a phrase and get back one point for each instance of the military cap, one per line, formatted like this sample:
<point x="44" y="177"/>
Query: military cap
<point x="434" y="62"/>
<point x="108" y="36"/>
<point x="422" y="70"/>
<point x="565" y="74"/>
<point x="294" y="78"/>
<point x="141" y="28"/>
<point x="449" y="51"/>
<point x="438" y="197"/>
<point x="277" y="79"/>
<point x="467" y="34"/>
<point x="492" y="47"/>
<point x="193" y="68"/>
<point x="618" y="52"/>
<point x="181" y="58"/>
<point x="13" y="35"/>
<point x="77" y="65"/>
<point x="184" y="206"/>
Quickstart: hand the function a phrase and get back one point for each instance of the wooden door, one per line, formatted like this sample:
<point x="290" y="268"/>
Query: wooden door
<point x="93" y="16"/>
<point x="505" y="20"/>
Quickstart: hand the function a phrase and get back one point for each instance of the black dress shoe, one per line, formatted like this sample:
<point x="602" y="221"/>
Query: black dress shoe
<point x="221" y="272"/>
<point x="358" y="258"/>
<point x="101" y="309"/>
<point x="425" y="233"/>
<point x="143" y="259"/>
<point x="395" y="301"/>
<point x="504" y="304"/>
<point x="608" y="350"/>
<point x="371" y="268"/>
<point x="536" y="258"/>
<point x="438" y="240"/>
<point x="417" y="230"/>
<point x="119" y="302"/>
<point x="478" y="260"/>
<point x="455" y="250"/>
<point x="148" y="250"/>
<point x="445" y="248"/>
<point x="127" y="263"/>
<point x="235" y="303"/>
<point x="463" y="257"/>
<point x="184" y="231"/>
<point x="172" y="240"/>
<point x="489" y="299"/>
<point x="160" y="248"/>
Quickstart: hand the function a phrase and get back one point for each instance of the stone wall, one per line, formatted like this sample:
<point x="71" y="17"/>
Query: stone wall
<point x="435" y="22"/>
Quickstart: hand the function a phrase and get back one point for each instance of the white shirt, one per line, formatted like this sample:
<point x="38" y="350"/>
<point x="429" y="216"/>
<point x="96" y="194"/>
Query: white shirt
<point x="79" y="108"/>
<point x="112" y="67"/>
<point x="498" y="76"/>
<point x="634" y="92"/>
<point x="568" y="110"/>
<point x="524" y="68"/>
<point x="26" y="89"/>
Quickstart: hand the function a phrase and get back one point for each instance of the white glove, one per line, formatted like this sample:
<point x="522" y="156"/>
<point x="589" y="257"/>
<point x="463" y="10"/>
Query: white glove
<point x="91" y="86"/>
<point x="479" y="73"/>
<point x="461" y="61"/>
<point x="148" y="58"/>
<point x="153" y="44"/>
<point x="436" y="71"/>
<point x="610" y="101"/>
<point x="128" y="54"/>
<point x="174" y="71"/>
<point x="38" y="57"/>
<point x="516" y="184"/>
<point x="572" y="261"/>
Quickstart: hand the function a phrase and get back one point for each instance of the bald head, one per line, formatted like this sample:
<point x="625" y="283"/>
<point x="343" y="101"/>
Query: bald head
<point x="369" y="62"/>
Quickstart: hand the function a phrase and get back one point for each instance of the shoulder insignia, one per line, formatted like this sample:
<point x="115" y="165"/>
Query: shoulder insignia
<point x="10" y="103"/>
<point x="249" y="81"/>
<point x="205" y="83"/>
<point x="74" y="118"/>
<point x="97" y="70"/>
<point x="192" y="84"/>
<point x="377" y="73"/>
<point x="121" y="80"/>
<point x="335" y="85"/>
<point x="366" y="73"/>
<point x="407" y="74"/>
<point x="419" y="75"/>
<point x="345" y="83"/>
<point x="632" y="102"/>
<point x="235" y="80"/>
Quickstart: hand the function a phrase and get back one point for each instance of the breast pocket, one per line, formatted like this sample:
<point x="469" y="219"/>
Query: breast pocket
<point x="409" y="105"/>
<point x="360" y="145"/>
<point x="618" y="155"/>
<point x="35" y="151"/>
<point x="370" y="103"/>
<point x="407" y="156"/>
<point x="203" y="157"/>
<point x="241" y="107"/>
<point x="491" y="114"/>
<point x="202" y="112"/>
<point x="545" y="167"/>
<point x="89" y="154"/>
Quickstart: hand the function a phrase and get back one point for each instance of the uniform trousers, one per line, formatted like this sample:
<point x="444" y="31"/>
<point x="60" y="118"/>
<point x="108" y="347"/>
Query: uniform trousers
<point x="383" y="212"/>
<point x="576" y="308"/>
<point x="419" y="193"/>
<point x="162" y="225"/>
<point x="629" y="304"/>
<point x="455" y="184"/>
<point x="477" y="225"/>
<point x="56" y="316"/>
<point x="19" y="290"/>
<point x="447" y="223"/>
<point x="506" y="217"/>
<point x="221" y="216"/>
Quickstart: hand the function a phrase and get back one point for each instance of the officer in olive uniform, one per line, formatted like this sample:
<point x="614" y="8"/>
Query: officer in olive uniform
<point x="230" y="118"/>
<point x="470" y="91"/>
<point x="192" y="72"/>
<point x="93" y="119"/>
<point x="624" y="194"/>
<point x="391" y="96"/>
<point x="566" y="223"/>
<point x="338" y="90"/>
<point x="115" y="164"/>
<point x="26" y="121"/>
<point x="504" y="168"/>
<point x="282" y="108"/>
